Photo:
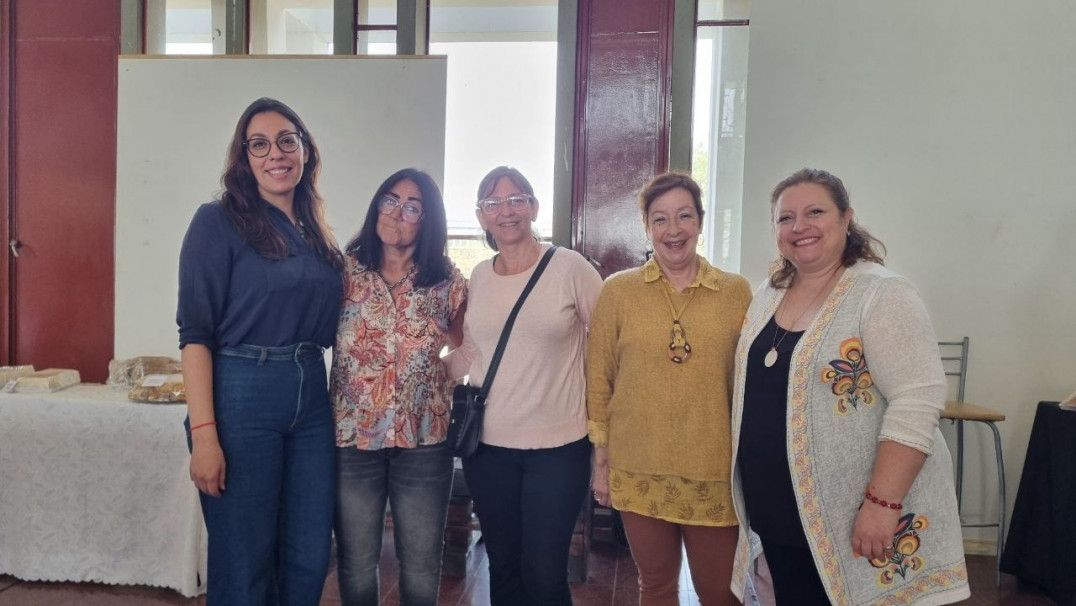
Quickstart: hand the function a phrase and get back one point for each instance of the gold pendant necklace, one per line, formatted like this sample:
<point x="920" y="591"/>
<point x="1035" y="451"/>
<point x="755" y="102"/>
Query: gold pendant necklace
<point x="771" y="355"/>
<point x="677" y="338"/>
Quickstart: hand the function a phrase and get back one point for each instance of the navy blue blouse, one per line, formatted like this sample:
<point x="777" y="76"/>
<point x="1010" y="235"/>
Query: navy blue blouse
<point x="231" y="295"/>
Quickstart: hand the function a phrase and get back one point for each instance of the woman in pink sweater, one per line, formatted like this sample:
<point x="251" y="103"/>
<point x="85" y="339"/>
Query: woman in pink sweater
<point x="529" y="475"/>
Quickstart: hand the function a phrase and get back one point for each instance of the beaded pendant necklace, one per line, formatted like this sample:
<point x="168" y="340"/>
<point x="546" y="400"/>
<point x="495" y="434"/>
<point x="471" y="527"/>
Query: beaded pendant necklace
<point x="679" y="347"/>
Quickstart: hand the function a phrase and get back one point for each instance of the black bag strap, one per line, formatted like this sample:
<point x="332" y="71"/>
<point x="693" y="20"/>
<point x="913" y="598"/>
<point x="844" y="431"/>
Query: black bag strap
<point x="503" y="342"/>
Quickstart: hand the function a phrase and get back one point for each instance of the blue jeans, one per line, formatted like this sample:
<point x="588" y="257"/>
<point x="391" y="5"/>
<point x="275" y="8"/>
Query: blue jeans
<point x="527" y="502"/>
<point x="416" y="482"/>
<point x="270" y="532"/>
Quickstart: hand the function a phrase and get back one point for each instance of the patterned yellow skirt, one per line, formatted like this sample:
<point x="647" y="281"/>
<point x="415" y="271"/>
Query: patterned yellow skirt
<point x="672" y="498"/>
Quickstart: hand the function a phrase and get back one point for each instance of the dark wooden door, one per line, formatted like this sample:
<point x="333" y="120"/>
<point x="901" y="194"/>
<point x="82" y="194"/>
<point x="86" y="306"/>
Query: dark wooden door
<point x="60" y="172"/>
<point x="622" y="125"/>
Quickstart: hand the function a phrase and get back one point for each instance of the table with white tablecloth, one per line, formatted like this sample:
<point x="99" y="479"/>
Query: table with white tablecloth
<point x="96" y="488"/>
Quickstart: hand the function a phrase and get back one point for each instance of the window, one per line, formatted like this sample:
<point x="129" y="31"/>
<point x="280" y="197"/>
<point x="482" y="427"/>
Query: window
<point x="188" y="28"/>
<point x="291" y="27"/>
<point x="717" y="130"/>
<point x="277" y="27"/>
<point x="501" y="105"/>
<point x="375" y="28"/>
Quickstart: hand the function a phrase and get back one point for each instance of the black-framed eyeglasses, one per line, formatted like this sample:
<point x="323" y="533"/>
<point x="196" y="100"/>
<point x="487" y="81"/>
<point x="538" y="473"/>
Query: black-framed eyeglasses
<point x="493" y="205"/>
<point x="412" y="213"/>
<point x="287" y="142"/>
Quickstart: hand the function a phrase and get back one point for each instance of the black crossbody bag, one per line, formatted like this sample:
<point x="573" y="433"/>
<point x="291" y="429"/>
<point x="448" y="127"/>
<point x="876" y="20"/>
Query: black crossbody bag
<point x="469" y="401"/>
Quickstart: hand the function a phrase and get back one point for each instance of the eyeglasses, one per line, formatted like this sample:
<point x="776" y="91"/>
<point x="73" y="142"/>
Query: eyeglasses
<point x="259" y="147"/>
<point x="492" y="205"/>
<point x="411" y="213"/>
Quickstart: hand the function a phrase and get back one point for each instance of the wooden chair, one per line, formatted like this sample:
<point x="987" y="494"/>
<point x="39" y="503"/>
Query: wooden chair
<point x="955" y="361"/>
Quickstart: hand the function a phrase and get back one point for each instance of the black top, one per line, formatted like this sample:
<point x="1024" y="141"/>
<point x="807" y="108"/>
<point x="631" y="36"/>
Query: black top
<point x="763" y="456"/>
<point x="231" y="295"/>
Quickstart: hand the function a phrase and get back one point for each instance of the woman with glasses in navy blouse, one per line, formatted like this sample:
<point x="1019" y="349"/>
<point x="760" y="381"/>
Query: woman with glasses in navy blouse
<point x="259" y="296"/>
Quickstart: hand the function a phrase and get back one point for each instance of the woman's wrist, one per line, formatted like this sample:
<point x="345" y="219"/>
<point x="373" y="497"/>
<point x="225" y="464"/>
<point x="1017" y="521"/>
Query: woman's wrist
<point x="598" y="433"/>
<point x="894" y="505"/>
<point x="205" y="435"/>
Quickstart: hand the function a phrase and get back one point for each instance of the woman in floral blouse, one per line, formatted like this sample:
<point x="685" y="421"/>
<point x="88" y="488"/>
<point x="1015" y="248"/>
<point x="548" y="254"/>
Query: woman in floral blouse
<point x="405" y="300"/>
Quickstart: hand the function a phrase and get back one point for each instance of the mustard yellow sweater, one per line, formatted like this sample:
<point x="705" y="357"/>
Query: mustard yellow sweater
<point x="659" y="417"/>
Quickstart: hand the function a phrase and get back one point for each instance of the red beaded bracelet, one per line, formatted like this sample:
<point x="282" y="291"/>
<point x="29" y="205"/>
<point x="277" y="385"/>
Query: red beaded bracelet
<point x="201" y="425"/>
<point x="883" y="503"/>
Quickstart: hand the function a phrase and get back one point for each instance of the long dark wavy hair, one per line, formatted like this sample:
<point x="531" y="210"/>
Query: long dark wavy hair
<point x="250" y="214"/>
<point x="860" y="245"/>
<point x="489" y="183"/>
<point x="430" y="257"/>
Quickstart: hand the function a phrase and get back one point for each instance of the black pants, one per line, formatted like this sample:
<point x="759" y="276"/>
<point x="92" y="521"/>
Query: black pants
<point x="795" y="578"/>
<point x="527" y="502"/>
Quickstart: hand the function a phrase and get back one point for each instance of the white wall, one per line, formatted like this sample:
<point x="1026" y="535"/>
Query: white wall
<point x="953" y="124"/>
<point x="369" y="116"/>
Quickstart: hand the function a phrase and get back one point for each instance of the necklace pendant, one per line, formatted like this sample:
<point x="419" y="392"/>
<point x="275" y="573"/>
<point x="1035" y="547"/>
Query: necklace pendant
<point x="675" y="355"/>
<point x="771" y="357"/>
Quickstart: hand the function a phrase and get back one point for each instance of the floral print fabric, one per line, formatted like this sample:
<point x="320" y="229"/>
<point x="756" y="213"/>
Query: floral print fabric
<point x="388" y="384"/>
<point x="672" y="498"/>
<point x="850" y="377"/>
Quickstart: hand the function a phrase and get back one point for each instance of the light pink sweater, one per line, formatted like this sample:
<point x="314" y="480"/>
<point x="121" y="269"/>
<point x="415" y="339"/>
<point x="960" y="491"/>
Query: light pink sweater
<point x="538" y="398"/>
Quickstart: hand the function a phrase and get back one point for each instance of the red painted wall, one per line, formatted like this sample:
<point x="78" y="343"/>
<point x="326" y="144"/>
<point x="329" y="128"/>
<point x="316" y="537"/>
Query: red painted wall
<point x="63" y="183"/>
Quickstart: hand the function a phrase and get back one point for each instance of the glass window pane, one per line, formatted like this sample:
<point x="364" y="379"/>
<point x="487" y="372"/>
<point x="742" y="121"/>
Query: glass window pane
<point x="466" y="252"/>
<point x="716" y="10"/>
<point x="376" y="42"/>
<point x="494" y="115"/>
<point x="291" y="27"/>
<point x="379" y="41"/>
<point x="188" y="27"/>
<point x="376" y="12"/>
<point x="717" y="134"/>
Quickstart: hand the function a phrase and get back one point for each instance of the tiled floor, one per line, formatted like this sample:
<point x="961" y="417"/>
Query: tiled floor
<point x="610" y="582"/>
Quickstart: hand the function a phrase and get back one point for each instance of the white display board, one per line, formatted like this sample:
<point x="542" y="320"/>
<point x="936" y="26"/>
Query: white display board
<point x="370" y="116"/>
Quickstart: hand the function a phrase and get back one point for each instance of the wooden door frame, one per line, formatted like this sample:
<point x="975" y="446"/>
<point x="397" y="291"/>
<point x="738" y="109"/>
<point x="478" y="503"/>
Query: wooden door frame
<point x="7" y="65"/>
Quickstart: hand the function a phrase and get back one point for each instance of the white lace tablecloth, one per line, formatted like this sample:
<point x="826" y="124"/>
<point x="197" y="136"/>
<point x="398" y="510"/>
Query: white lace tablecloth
<point x="96" y="488"/>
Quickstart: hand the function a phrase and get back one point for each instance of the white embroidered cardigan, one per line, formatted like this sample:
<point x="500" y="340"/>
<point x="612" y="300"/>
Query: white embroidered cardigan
<point x="866" y="369"/>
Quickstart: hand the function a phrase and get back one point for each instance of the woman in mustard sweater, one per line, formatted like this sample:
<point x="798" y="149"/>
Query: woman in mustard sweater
<point x="659" y="382"/>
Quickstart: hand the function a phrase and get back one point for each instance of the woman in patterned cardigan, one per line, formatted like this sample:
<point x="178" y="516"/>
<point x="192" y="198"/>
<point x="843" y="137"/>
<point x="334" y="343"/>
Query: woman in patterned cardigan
<point x="839" y="465"/>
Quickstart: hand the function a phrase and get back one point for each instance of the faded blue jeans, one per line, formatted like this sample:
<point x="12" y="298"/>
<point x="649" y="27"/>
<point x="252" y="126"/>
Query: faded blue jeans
<point x="416" y="482"/>
<point x="270" y="532"/>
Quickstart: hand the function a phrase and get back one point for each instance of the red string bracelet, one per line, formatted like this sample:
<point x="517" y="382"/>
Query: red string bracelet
<point x="883" y="503"/>
<point x="201" y="425"/>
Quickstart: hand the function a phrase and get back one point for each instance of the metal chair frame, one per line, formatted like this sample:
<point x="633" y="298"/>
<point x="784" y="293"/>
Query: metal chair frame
<point x="962" y="375"/>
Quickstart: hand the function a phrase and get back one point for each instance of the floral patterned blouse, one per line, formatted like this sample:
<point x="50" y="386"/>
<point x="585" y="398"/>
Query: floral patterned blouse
<point x="388" y="384"/>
